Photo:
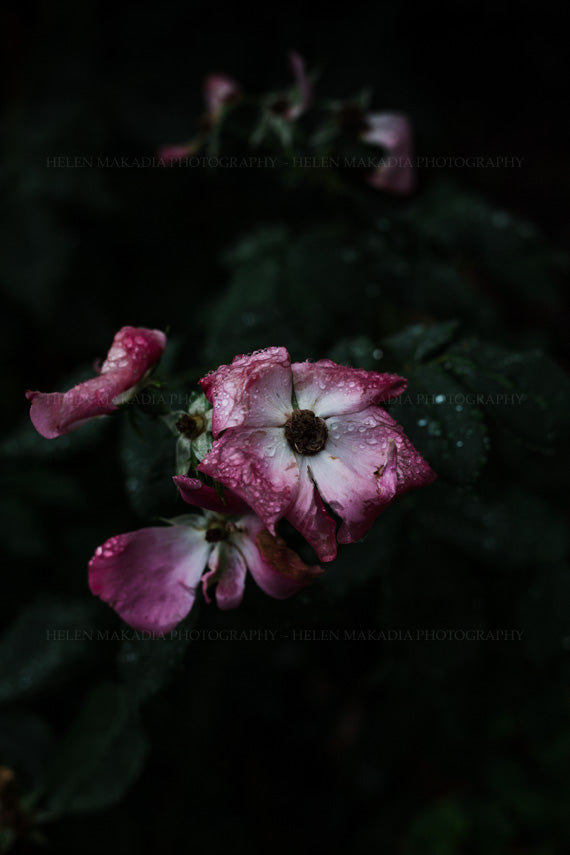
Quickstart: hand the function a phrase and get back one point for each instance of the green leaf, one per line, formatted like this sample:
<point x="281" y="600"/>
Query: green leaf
<point x="527" y="392"/>
<point x="359" y="352"/>
<point x="40" y="647"/>
<point x="289" y="289"/>
<point x="144" y="666"/>
<point x="543" y="611"/>
<point x="101" y="755"/>
<point x="439" y="829"/>
<point x="498" y="529"/>
<point x="148" y="458"/>
<point x="25" y="745"/>
<point x="417" y="342"/>
<point x="450" y="435"/>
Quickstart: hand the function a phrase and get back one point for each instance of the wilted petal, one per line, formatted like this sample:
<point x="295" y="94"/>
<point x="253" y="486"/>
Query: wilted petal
<point x="196" y="493"/>
<point x="393" y="132"/>
<point x="133" y="353"/>
<point x="150" y="576"/>
<point x="278" y="570"/>
<point x="254" y="391"/>
<point x="357" y="473"/>
<point x="258" y="465"/>
<point x="329" y="389"/>
<point x="308" y="515"/>
<point x="219" y="90"/>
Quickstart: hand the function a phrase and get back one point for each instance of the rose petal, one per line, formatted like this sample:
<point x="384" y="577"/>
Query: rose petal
<point x="227" y="566"/>
<point x="196" y="493"/>
<point x="308" y="515"/>
<point x="258" y="465"/>
<point x="254" y="391"/>
<point x="359" y="472"/>
<point x="277" y="570"/>
<point x="393" y="132"/>
<point x="329" y="389"/>
<point x="132" y="355"/>
<point x="150" y="576"/>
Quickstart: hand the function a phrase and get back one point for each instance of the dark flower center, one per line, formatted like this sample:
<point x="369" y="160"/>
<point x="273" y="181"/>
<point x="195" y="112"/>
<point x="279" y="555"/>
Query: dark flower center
<point x="306" y="433"/>
<point x="191" y="426"/>
<point x="216" y="533"/>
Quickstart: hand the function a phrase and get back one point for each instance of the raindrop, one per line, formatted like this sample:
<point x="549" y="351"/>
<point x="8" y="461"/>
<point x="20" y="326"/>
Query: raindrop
<point x="459" y="443"/>
<point x="439" y="399"/>
<point x="377" y="353"/>
<point x="422" y="422"/>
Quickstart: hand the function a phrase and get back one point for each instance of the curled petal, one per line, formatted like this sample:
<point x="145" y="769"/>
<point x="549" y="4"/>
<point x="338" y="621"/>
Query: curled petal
<point x="254" y="391"/>
<point x="278" y="570"/>
<point x="196" y="493"/>
<point x="308" y="515"/>
<point x="219" y="90"/>
<point x="133" y="353"/>
<point x="258" y="465"/>
<point x="391" y="131"/>
<point x="330" y="389"/>
<point x="149" y="577"/>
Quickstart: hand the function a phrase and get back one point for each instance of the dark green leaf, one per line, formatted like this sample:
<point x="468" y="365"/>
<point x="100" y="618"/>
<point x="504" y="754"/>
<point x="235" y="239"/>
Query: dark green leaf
<point x="450" y="435"/>
<point x="42" y="645"/>
<point x="101" y="755"/>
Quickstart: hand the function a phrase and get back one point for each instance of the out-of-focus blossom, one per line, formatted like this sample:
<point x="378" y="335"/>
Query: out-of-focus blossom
<point x="219" y="90"/>
<point x="150" y="577"/>
<point x="288" y="437"/>
<point x="393" y="133"/>
<point x="135" y="351"/>
<point x="291" y="107"/>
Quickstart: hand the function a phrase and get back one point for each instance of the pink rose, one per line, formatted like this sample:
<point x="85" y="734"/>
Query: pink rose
<point x="151" y="576"/>
<point x="335" y="444"/>
<point x="134" y="352"/>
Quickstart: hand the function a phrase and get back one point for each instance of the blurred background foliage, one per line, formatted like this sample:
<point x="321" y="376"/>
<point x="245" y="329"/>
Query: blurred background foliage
<point x="413" y="747"/>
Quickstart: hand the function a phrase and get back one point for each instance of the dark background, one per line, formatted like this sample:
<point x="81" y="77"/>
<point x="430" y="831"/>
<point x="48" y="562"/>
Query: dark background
<point x="411" y="748"/>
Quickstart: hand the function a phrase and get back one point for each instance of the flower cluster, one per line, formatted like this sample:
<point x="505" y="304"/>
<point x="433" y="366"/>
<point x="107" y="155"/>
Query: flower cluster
<point x="348" y="122"/>
<point x="308" y="442"/>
